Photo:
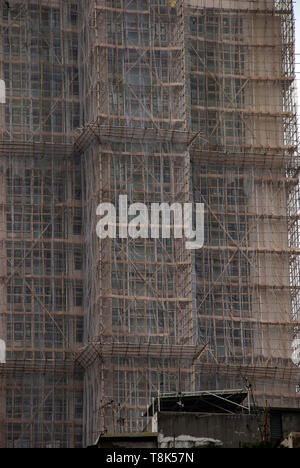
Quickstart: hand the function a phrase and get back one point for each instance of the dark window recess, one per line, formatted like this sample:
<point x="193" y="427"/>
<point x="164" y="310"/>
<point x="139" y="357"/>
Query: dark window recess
<point x="77" y="223"/>
<point x="276" y="426"/>
<point x="73" y="14"/>
<point x="78" y="259"/>
<point x="78" y="294"/>
<point x="79" y="330"/>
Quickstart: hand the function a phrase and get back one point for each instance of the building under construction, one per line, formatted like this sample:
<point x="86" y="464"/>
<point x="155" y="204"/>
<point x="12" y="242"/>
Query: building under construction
<point x="166" y="102"/>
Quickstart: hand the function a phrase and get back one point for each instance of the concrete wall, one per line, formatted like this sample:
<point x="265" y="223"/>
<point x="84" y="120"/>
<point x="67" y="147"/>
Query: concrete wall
<point x="290" y="423"/>
<point x="204" y="430"/>
<point x="233" y="430"/>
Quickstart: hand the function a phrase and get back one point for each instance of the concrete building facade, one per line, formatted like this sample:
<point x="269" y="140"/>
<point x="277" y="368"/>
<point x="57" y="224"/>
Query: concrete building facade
<point x="165" y="102"/>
